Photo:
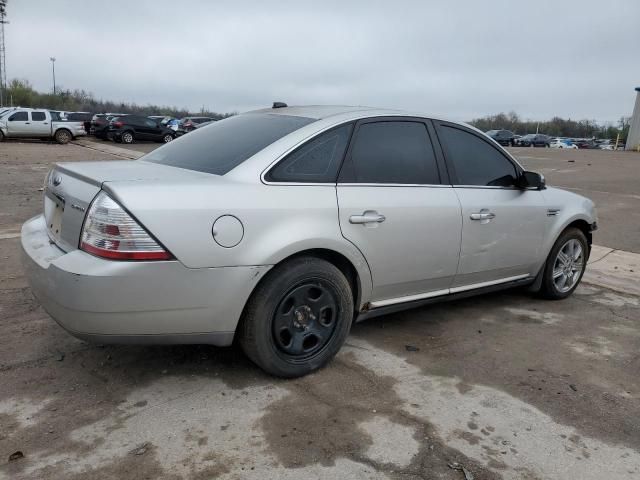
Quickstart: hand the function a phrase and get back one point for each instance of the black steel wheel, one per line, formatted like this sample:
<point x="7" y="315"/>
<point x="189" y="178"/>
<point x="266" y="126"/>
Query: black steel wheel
<point x="297" y="318"/>
<point x="305" y="320"/>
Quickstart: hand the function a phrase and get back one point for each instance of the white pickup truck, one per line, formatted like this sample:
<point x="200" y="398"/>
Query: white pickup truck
<point x="38" y="123"/>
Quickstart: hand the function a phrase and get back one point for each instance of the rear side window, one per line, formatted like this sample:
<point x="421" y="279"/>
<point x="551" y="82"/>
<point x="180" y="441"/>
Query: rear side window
<point x="38" y="116"/>
<point x="393" y="152"/>
<point x="225" y="144"/>
<point x="475" y="161"/>
<point x="19" y="117"/>
<point x="316" y="161"/>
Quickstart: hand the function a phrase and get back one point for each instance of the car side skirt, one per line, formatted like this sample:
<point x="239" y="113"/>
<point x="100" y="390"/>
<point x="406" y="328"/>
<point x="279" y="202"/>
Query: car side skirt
<point x="398" y="307"/>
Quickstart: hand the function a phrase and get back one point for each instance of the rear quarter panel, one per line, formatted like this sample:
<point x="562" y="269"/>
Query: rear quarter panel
<point x="278" y="221"/>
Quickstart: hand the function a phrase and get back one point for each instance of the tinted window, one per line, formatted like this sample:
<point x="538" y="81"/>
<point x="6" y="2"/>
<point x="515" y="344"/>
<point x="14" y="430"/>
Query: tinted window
<point x="224" y="145"/>
<point x="151" y="123"/>
<point x="394" y="152"/>
<point x="316" y="161"/>
<point x="38" y="116"/>
<point x="19" y="117"/>
<point x="476" y="162"/>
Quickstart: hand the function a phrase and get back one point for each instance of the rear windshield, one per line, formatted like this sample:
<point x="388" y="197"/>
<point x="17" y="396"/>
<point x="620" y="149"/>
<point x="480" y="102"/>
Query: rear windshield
<point x="223" y="145"/>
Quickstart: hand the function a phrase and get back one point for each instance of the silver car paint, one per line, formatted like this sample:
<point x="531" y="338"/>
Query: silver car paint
<point x="180" y="206"/>
<point x="508" y="244"/>
<point x="91" y="296"/>
<point x="415" y="249"/>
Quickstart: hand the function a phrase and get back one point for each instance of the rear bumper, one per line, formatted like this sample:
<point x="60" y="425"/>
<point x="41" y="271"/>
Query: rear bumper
<point x="135" y="302"/>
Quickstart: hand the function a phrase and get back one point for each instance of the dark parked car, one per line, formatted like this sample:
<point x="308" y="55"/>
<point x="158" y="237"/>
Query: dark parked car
<point x="534" y="140"/>
<point x="587" y="143"/>
<point x="503" y="137"/>
<point x="83" y="117"/>
<point x="100" y="124"/>
<point x="136" y="127"/>
<point x="188" y="124"/>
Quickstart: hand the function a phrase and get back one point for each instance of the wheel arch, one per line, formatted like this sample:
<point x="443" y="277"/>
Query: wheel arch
<point x="341" y="262"/>
<point x="358" y="278"/>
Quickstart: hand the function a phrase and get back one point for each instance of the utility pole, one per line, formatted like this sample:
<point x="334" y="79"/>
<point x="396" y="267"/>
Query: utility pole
<point x="3" y="65"/>
<point x="53" y="67"/>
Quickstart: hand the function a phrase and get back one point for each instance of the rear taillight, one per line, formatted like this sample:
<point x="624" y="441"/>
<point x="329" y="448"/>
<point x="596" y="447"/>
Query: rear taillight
<point x="110" y="232"/>
<point x="118" y="124"/>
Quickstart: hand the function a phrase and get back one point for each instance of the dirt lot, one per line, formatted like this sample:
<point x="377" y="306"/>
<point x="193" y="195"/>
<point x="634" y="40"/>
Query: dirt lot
<point x="506" y="386"/>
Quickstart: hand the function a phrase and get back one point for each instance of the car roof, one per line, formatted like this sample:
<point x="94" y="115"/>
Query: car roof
<point x="319" y="112"/>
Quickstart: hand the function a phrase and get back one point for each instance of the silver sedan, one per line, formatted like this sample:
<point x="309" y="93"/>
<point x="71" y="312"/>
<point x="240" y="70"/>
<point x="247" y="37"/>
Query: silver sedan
<point x="281" y="227"/>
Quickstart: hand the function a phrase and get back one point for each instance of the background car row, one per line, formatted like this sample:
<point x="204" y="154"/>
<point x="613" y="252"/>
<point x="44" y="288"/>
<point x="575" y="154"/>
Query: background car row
<point x="509" y="139"/>
<point x="127" y="128"/>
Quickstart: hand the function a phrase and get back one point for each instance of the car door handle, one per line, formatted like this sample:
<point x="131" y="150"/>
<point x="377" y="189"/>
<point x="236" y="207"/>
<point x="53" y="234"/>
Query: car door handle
<point x="370" y="216"/>
<point x="483" y="215"/>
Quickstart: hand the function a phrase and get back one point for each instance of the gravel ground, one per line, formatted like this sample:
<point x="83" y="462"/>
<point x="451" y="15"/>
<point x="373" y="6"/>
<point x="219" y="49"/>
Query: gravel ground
<point x="505" y="386"/>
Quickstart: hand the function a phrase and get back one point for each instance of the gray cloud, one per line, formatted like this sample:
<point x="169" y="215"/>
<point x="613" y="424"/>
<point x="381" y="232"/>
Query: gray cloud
<point x="461" y="59"/>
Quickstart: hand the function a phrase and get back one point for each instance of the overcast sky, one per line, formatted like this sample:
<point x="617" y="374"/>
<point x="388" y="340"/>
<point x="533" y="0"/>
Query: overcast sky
<point x="462" y="59"/>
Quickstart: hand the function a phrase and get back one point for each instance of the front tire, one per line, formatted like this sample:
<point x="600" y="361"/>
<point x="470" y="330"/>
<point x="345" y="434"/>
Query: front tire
<point x="298" y="317"/>
<point x="565" y="264"/>
<point x="167" y="138"/>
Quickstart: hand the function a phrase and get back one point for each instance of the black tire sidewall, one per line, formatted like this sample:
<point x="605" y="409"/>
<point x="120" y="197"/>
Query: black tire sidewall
<point x="549" y="289"/>
<point x="63" y="132"/>
<point x="256" y="336"/>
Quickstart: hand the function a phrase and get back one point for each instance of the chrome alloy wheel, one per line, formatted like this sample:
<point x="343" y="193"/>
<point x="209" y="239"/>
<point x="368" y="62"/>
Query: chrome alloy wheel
<point x="568" y="266"/>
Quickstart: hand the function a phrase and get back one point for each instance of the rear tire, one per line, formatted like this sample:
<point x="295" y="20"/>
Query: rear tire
<point x="167" y="138"/>
<point x="127" y="137"/>
<point x="565" y="265"/>
<point x="297" y="318"/>
<point x="1" y="136"/>
<point x="63" y="136"/>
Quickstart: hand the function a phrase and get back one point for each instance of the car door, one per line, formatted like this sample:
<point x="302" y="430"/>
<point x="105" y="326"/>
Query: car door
<point x="40" y="124"/>
<point x="151" y="129"/>
<point x="396" y="205"/>
<point x="18" y="124"/>
<point x="502" y="225"/>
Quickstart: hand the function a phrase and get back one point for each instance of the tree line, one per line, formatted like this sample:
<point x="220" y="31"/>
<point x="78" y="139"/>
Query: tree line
<point x="556" y="127"/>
<point x="21" y="93"/>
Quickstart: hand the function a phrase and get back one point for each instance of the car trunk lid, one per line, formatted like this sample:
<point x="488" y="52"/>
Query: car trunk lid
<point x="70" y="188"/>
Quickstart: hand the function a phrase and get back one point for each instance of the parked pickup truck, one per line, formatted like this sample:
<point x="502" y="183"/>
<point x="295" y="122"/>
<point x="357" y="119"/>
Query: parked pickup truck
<point x="35" y="123"/>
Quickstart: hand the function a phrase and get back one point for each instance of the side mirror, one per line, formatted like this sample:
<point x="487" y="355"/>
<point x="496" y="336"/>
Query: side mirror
<point x="532" y="180"/>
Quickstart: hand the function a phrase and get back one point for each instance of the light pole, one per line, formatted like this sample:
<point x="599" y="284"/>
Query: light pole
<point x="53" y="68"/>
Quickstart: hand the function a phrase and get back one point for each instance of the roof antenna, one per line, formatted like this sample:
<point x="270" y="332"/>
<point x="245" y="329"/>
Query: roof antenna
<point x="279" y="105"/>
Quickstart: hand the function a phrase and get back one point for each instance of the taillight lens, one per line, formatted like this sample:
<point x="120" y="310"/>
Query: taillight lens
<point x="118" y="124"/>
<point x="110" y="232"/>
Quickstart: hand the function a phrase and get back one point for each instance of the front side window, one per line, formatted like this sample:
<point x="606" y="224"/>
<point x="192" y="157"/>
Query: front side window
<point x="225" y="144"/>
<point x="19" y="117"/>
<point x="317" y="161"/>
<point x="393" y="152"/>
<point x="38" y="116"/>
<point x="476" y="162"/>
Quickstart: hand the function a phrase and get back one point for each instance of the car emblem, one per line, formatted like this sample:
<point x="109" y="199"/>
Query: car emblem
<point x="57" y="180"/>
